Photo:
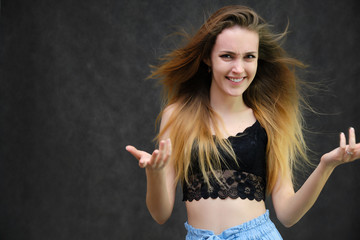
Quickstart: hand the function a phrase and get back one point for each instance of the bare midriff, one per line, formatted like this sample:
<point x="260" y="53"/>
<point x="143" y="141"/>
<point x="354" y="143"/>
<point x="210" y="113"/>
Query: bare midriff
<point x="218" y="214"/>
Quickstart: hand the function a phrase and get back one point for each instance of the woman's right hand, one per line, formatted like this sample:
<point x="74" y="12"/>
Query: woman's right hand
<point x="157" y="160"/>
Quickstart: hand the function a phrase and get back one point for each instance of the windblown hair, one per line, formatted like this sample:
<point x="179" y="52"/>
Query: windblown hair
<point x="273" y="96"/>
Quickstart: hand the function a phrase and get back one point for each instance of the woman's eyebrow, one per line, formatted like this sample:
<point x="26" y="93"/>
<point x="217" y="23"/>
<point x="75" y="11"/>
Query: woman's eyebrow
<point x="233" y="53"/>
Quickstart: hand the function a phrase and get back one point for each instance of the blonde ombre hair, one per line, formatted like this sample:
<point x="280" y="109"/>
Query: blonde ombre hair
<point x="273" y="96"/>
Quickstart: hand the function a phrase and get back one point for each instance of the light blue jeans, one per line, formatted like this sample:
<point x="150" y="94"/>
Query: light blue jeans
<point x="260" y="228"/>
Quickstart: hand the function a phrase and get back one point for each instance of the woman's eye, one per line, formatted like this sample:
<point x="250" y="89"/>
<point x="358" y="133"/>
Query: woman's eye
<point x="226" y="56"/>
<point x="250" y="56"/>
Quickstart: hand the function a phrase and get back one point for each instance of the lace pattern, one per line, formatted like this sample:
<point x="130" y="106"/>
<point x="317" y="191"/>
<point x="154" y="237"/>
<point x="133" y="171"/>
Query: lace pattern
<point x="234" y="184"/>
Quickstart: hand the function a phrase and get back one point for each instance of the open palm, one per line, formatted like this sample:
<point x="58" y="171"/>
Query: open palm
<point x="157" y="160"/>
<point x="344" y="153"/>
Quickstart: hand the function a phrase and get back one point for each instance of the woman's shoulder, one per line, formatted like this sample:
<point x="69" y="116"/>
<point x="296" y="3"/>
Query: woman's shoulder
<point x="170" y="108"/>
<point x="166" y="115"/>
<point x="168" y="111"/>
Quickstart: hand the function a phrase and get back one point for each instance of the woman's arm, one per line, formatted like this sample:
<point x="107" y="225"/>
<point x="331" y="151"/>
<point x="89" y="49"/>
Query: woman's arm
<point x="291" y="206"/>
<point x="160" y="175"/>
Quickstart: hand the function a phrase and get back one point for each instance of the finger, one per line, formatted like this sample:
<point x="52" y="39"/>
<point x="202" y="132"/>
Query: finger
<point x="136" y="153"/>
<point x="151" y="162"/>
<point x="342" y="141"/>
<point x="162" y="149"/>
<point x="168" y="151"/>
<point x="352" y="139"/>
<point x="164" y="154"/>
<point x="357" y="151"/>
<point x="170" y="146"/>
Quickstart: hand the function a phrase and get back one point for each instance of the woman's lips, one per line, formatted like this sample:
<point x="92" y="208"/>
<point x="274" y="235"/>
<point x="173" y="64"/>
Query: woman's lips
<point x="235" y="79"/>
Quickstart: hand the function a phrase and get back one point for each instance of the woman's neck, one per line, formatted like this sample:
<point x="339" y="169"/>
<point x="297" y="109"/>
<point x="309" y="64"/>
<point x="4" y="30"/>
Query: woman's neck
<point x="227" y="104"/>
<point x="235" y="116"/>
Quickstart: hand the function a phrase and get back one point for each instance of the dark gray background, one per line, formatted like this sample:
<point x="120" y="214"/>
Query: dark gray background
<point x="73" y="94"/>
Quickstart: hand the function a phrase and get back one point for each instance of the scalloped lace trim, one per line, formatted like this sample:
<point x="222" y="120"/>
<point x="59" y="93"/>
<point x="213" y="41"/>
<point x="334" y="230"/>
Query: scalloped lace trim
<point x="235" y="184"/>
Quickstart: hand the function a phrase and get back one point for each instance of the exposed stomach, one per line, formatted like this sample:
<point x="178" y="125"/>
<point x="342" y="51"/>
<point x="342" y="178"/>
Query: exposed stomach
<point x="218" y="214"/>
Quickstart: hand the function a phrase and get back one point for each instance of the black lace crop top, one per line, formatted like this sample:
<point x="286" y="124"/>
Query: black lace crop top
<point x="247" y="179"/>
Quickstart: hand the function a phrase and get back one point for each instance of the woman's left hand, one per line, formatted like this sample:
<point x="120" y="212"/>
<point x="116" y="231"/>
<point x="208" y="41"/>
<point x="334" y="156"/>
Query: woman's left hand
<point x="344" y="153"/>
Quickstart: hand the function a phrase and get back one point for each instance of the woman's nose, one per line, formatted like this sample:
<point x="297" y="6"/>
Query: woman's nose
<point x="238" y="67"/>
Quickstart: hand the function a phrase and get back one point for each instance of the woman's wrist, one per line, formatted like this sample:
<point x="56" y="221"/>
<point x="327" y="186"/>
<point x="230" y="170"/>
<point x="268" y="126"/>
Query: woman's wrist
<point x="327" y="166"/>
<point x="155" y="172"/>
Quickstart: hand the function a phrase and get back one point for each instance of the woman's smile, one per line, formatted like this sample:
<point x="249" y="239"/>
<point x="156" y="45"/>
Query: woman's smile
<point x="235" y="80"/>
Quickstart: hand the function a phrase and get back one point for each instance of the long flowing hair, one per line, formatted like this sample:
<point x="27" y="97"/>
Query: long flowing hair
<point x="273" y="96"/>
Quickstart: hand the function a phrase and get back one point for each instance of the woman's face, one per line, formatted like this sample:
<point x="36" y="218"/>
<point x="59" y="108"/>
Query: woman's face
<point x="234" y="59"/>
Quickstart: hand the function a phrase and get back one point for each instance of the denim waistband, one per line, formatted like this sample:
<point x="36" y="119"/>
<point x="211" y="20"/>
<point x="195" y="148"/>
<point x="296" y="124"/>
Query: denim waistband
<point x="260" y="226"/>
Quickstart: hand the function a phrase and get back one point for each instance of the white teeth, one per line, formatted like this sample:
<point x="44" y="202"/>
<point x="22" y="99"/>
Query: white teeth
<point x="236" y="79"/>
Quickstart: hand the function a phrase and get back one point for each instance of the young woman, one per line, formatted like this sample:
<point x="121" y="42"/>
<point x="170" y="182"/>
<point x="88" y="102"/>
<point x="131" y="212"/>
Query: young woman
<point x="231" y="132"/>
